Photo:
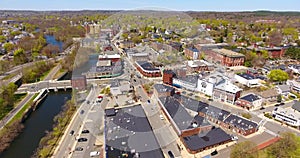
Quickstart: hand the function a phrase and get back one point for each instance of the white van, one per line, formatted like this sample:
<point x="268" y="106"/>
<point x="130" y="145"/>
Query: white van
<point x="94" y="153"/>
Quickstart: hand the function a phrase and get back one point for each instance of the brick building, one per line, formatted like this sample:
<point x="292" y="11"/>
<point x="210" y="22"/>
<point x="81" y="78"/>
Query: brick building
<point x="192" y="53"/>
<point x="168" y="76"/>
<point x="199" y="66"/>
<point x="225" y="57"/>
<point x="147" y="69"/>
<point x="79" y="83"/>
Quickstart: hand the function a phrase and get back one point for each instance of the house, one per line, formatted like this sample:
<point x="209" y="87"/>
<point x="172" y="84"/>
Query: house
<point x="269" y="95"/>
<point x="290" y="116"/>
<point x="147" y="69"/>
<point x="295" y="86"/>
<point x="240" y="125"/>
<point x="247" y="80"/>
<point x="249" y="101"/>
<point x="225" y="57"/>
<point x="283" y="89"/>
<point x="192" y="53"/>
<point x="199" y="66"/>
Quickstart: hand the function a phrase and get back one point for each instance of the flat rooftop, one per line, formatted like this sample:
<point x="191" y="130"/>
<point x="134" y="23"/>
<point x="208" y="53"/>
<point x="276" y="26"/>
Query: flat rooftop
<point x="250" y="97"/>
<point x="147" y="66"/>
<point x="161" y="88"/>
<point x="202" y="140"/>
<point x="228" y="53"/>
<point x="193" y="79"/>
<point x="127" y="132"/>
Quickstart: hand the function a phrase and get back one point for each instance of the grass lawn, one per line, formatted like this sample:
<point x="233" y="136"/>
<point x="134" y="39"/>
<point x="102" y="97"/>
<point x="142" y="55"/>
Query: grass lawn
<point x="18" y="98"/>
<point x="5" y="110"/>
<point x="59" y="73"/>
<point x="20" y="114"/>
<point x="9" y="76"/>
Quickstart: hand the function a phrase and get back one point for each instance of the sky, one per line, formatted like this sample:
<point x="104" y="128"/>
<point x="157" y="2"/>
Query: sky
<point x="179" y="5"/>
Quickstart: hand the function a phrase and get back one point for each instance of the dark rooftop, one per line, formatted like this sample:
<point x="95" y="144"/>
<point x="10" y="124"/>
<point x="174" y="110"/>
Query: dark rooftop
<point x="193" y="49"/>
<point x="128" y="133"/>
<point x="202" y="140"/>
<point x="250" y="97"/>
<point x="161" y="88"/>
<point x="215" y="112"/>
<point x="189" y="78"/>
<point x="179" y="114"/>
<point x="240" y="122"/>
<point x="247" y="76"/>
<point x="110" y="112"/>
<point x="147" y="66"/>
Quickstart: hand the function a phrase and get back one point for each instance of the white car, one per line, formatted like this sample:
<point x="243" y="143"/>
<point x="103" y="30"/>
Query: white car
<point x="94" y="153"/>
<point x="161" y="117"/>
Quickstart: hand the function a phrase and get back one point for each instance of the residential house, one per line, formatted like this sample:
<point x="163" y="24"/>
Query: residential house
<point x="295" y="86"/>
<point x="283" y="90"/>
<point x="249" y="101"/>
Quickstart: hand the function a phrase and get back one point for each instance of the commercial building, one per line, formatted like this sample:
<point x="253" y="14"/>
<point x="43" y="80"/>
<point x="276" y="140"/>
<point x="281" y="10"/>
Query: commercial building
<point x="225" y="57"/>
<point x="192" y="53"/>
<point x="199" y="66"/>
<point x="79" y="83"/>
<point x="168" y="76"/>
<point x="118" y="87"/>
<point x="147" y="69"/>
<point x="247" y="80"/>
<point x="240" y="125"/>
<point x="225" y="91"/>
<point x="250" y="101"/>
<point x="163" y="90"/>
<point x="128" y="134"/>
<point x="290" y="115"/>
<point x="188" y="82"/>
<point x="273" y="52"/>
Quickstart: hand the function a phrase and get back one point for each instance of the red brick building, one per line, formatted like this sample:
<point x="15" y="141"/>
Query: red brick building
<point x="168" y="77"/>
<point x="79" y="83"/>
<point x="225" y="57"/>
<point x="192" y="53"/>
<point x="147" y="69"/>
<point x="273" y="52"/>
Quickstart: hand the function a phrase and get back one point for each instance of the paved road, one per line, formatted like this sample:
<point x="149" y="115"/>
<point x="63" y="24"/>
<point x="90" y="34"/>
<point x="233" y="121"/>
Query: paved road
<point x="12" y="113"/>
<point x="51" y="74"/>
<point x="83" y="119"/>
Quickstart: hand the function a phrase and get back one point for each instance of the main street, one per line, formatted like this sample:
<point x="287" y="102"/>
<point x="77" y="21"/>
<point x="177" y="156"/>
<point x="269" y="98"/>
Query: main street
<point x="79" y="122"/>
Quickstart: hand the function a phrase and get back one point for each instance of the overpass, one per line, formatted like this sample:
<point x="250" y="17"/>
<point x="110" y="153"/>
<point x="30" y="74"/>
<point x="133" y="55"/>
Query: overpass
<point x="54" y="85"/>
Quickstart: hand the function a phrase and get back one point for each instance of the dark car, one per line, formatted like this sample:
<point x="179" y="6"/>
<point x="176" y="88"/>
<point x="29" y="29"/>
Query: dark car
<point x="214" y="153"/>
<point x="134" y="80"/>
<point x="78" y="149"/>
<point x="82" y="111"/>
<point x="85" y="131"/>
<point x="72" y="132"/>
<point x="277" y="104"/>
<point x="210" y="99"/>
<point x="171" y="155"/>
<point x="281" y="103"/>
<point x="148" y="101"/>
<point x="82" y="140"/>
<point x="262" y="108"/>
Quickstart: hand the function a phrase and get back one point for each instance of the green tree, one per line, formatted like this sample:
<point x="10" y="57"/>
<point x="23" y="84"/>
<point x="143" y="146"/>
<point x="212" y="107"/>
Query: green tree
<point x="245" y="149"/>
<point x="8" y="47"/>
<point x="288" y="146"/>
<point x="19" y="57"/>
<point x="278" y="75"/>
<point x="2" y="39"/>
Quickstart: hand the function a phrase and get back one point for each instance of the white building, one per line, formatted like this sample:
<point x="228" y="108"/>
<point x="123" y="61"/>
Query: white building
<point x="294" y="85"/>
<point x="206" y="84"/>
<point x="288" y="115"/>
<point x="188" y="82"/>
<point x="247" y="80"/>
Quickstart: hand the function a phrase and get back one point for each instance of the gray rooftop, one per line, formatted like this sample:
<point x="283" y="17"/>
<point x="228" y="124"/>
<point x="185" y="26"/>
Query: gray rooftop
<point x="161" y="88"/>
<point x="129" y="132"/>
<point x="240" y="122"/>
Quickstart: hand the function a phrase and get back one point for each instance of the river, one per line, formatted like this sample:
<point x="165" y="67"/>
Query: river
<point x="36" y="126"/>
<point x="51" y="40"/>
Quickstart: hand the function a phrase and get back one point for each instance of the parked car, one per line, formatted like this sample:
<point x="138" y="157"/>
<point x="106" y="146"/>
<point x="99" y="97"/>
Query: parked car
<point x="171" y="155"/>
<point x="161" y="117"/>
<point x="262" y="108"/>
<point x="277" y="104"/>
<point x="85" y="131"/>
<point x="71" y="132"/>
<point x="214" y="153"/>
<point x="82" y="111"/>
<point x="82" y="140"/>
<point x="78" y="149"/>
<point x="94" y="153"/>
<point x="282" y="104"/>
